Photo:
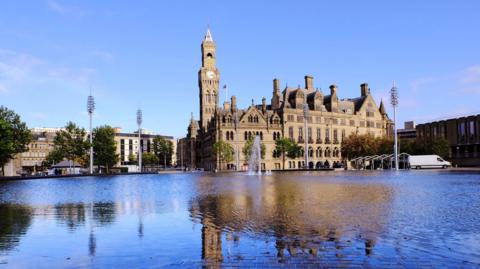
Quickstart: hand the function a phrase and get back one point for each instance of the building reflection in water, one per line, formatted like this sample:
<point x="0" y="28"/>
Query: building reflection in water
<point x="301" y="218"/>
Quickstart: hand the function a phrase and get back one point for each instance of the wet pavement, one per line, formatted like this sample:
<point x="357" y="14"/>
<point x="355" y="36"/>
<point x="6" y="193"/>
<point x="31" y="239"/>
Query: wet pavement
<point x="410" y="219"/>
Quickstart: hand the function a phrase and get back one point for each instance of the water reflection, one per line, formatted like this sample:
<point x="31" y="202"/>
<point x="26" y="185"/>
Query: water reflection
<point x="302" y="218"/>
<point x="14" y="222"/>
<point x="191" y="220"/>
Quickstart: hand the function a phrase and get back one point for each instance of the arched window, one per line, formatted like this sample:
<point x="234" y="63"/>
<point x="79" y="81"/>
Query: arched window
<point x="209" y="55"/>
<point x="227" y="135"/>
<point x="310" y="152"/>
<point x="261" y="135"/>
<point x="246" y="135"/>
<point x="231" y="136"/>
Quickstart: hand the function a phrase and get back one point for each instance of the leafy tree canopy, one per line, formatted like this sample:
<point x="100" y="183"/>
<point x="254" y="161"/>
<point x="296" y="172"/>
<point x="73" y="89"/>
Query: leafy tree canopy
<point x="14" y="135"/>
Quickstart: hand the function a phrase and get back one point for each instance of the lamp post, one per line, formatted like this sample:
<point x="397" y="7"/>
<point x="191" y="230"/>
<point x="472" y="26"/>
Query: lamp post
<point x="305" y="115"/>
<point x="90" y="110"/>
<point x="394" y="102"/>
<point x="139" y="123"/>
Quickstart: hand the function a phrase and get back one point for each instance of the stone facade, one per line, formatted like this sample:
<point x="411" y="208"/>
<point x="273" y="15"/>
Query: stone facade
<point x="329" y="120"/>
<point x="30" y="161"/>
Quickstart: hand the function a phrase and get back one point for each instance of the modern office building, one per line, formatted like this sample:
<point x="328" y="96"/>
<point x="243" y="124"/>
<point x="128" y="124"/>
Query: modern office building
<point x="128" y="143"/>
<point x="462" y="134"/>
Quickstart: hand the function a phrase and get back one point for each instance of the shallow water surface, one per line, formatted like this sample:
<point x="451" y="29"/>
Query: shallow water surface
<point x="194" y="220"/>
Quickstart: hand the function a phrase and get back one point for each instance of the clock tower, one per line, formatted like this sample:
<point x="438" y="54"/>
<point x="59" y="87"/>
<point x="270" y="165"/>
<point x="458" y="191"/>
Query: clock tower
<point x="208" y="79"/>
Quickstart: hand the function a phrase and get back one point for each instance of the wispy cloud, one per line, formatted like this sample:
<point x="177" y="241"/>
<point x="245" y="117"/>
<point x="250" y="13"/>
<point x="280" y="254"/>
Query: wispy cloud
<point x="19" y="69"/>
<point x="104" y="56"/>
<point x="64" y="9"/>
<point x="420" y="84"/>
<point x="470" y="75"/>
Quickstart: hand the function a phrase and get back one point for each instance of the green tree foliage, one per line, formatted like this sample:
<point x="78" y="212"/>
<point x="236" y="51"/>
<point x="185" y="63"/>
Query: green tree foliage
<point x="163" y="148"/>
<point x="247" y="148"/>
<point x="363" y="145"/>
<point x="438" y="146"/>
<point x="72" y="143"/>
<point x="14" y="136"/>
<point x="149" y="158"/>
<point x="104" y="147"/>
<point x="287" y="148"/>
<point x="224" y="152"/>
<point x="132" y="159"/>
<point x="55" y="156"/>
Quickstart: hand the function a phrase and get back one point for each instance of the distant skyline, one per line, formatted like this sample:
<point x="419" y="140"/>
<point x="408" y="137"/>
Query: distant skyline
<point x="147" y="54"/>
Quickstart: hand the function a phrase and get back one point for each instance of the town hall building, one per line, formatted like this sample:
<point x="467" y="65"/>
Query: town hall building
<point x="329" y="120"/>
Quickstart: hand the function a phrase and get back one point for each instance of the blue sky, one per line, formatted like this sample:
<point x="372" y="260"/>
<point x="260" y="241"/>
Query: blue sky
<point x="147" y="54"/>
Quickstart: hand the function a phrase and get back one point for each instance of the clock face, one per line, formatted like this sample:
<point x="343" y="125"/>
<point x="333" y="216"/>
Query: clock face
<point x="210" y="74"/>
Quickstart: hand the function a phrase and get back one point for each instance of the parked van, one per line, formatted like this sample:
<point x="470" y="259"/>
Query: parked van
<point x="427" y="161"/>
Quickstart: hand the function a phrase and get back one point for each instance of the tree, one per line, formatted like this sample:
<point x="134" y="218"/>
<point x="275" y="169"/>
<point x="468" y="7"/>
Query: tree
<point x="361" y="145"/>
<point x="247" y="148"/>
<point x="14" y="136"/>
<point x="224" y="151"/>
<point x="283" y="146"/>
<point x="132" y="159"/>
<point x="53" y="157"/>
<point x="440" y="147"/>
<point x="149" y="158"/>
<point x="72" y="142"/>
<point x="104" y="147"/>
<point x="163" y="148"/>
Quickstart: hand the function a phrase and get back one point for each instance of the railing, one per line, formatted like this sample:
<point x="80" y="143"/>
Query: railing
<point x="301" y="140"/>
<point x="319" y="141"/>
<point x="327" y="140"/>
<point x="310" y="140"/>
<point x="336" y="141"/>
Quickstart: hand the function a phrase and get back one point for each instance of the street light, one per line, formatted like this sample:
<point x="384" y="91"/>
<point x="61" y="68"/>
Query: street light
<point x="90" y="110"/>
<point x="394" y="102"/>
<point x="139" y="123"/>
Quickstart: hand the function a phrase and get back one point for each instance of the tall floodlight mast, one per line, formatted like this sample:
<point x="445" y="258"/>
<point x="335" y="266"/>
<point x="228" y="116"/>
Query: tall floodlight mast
<point x="139" y="123"/>
<point x="394" y="102"/>
<point x="90" y="110"/>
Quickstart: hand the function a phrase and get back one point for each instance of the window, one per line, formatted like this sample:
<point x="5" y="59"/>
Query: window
<point x="327" y="133"/>
<point x="343" y="135"/>
<point x="335" y="135"/>
<point x="290" y="118"/>
<point x="309" y="133"/>
<point x="300" y="132"/>
<point x="319" y="133"/>
<point x="471" y="126"/>
<point x="461" y="129"/>
<point x="352" y="123"/>
<point x="290" y="132"/>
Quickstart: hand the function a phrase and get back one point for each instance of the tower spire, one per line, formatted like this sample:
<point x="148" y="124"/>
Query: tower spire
<point x="208" y="35"/>
<point x="382" y="108"/>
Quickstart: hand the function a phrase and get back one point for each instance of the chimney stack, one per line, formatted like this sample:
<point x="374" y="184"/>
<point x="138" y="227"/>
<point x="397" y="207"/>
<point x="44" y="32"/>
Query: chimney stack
<point x="233" y="101"/>
<point x="308" y="82"/>
<point x="333" y="90"/>
<point x="364" y="90"/>
<point x="276" y="85"/>
<point x="264" y="105"/>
